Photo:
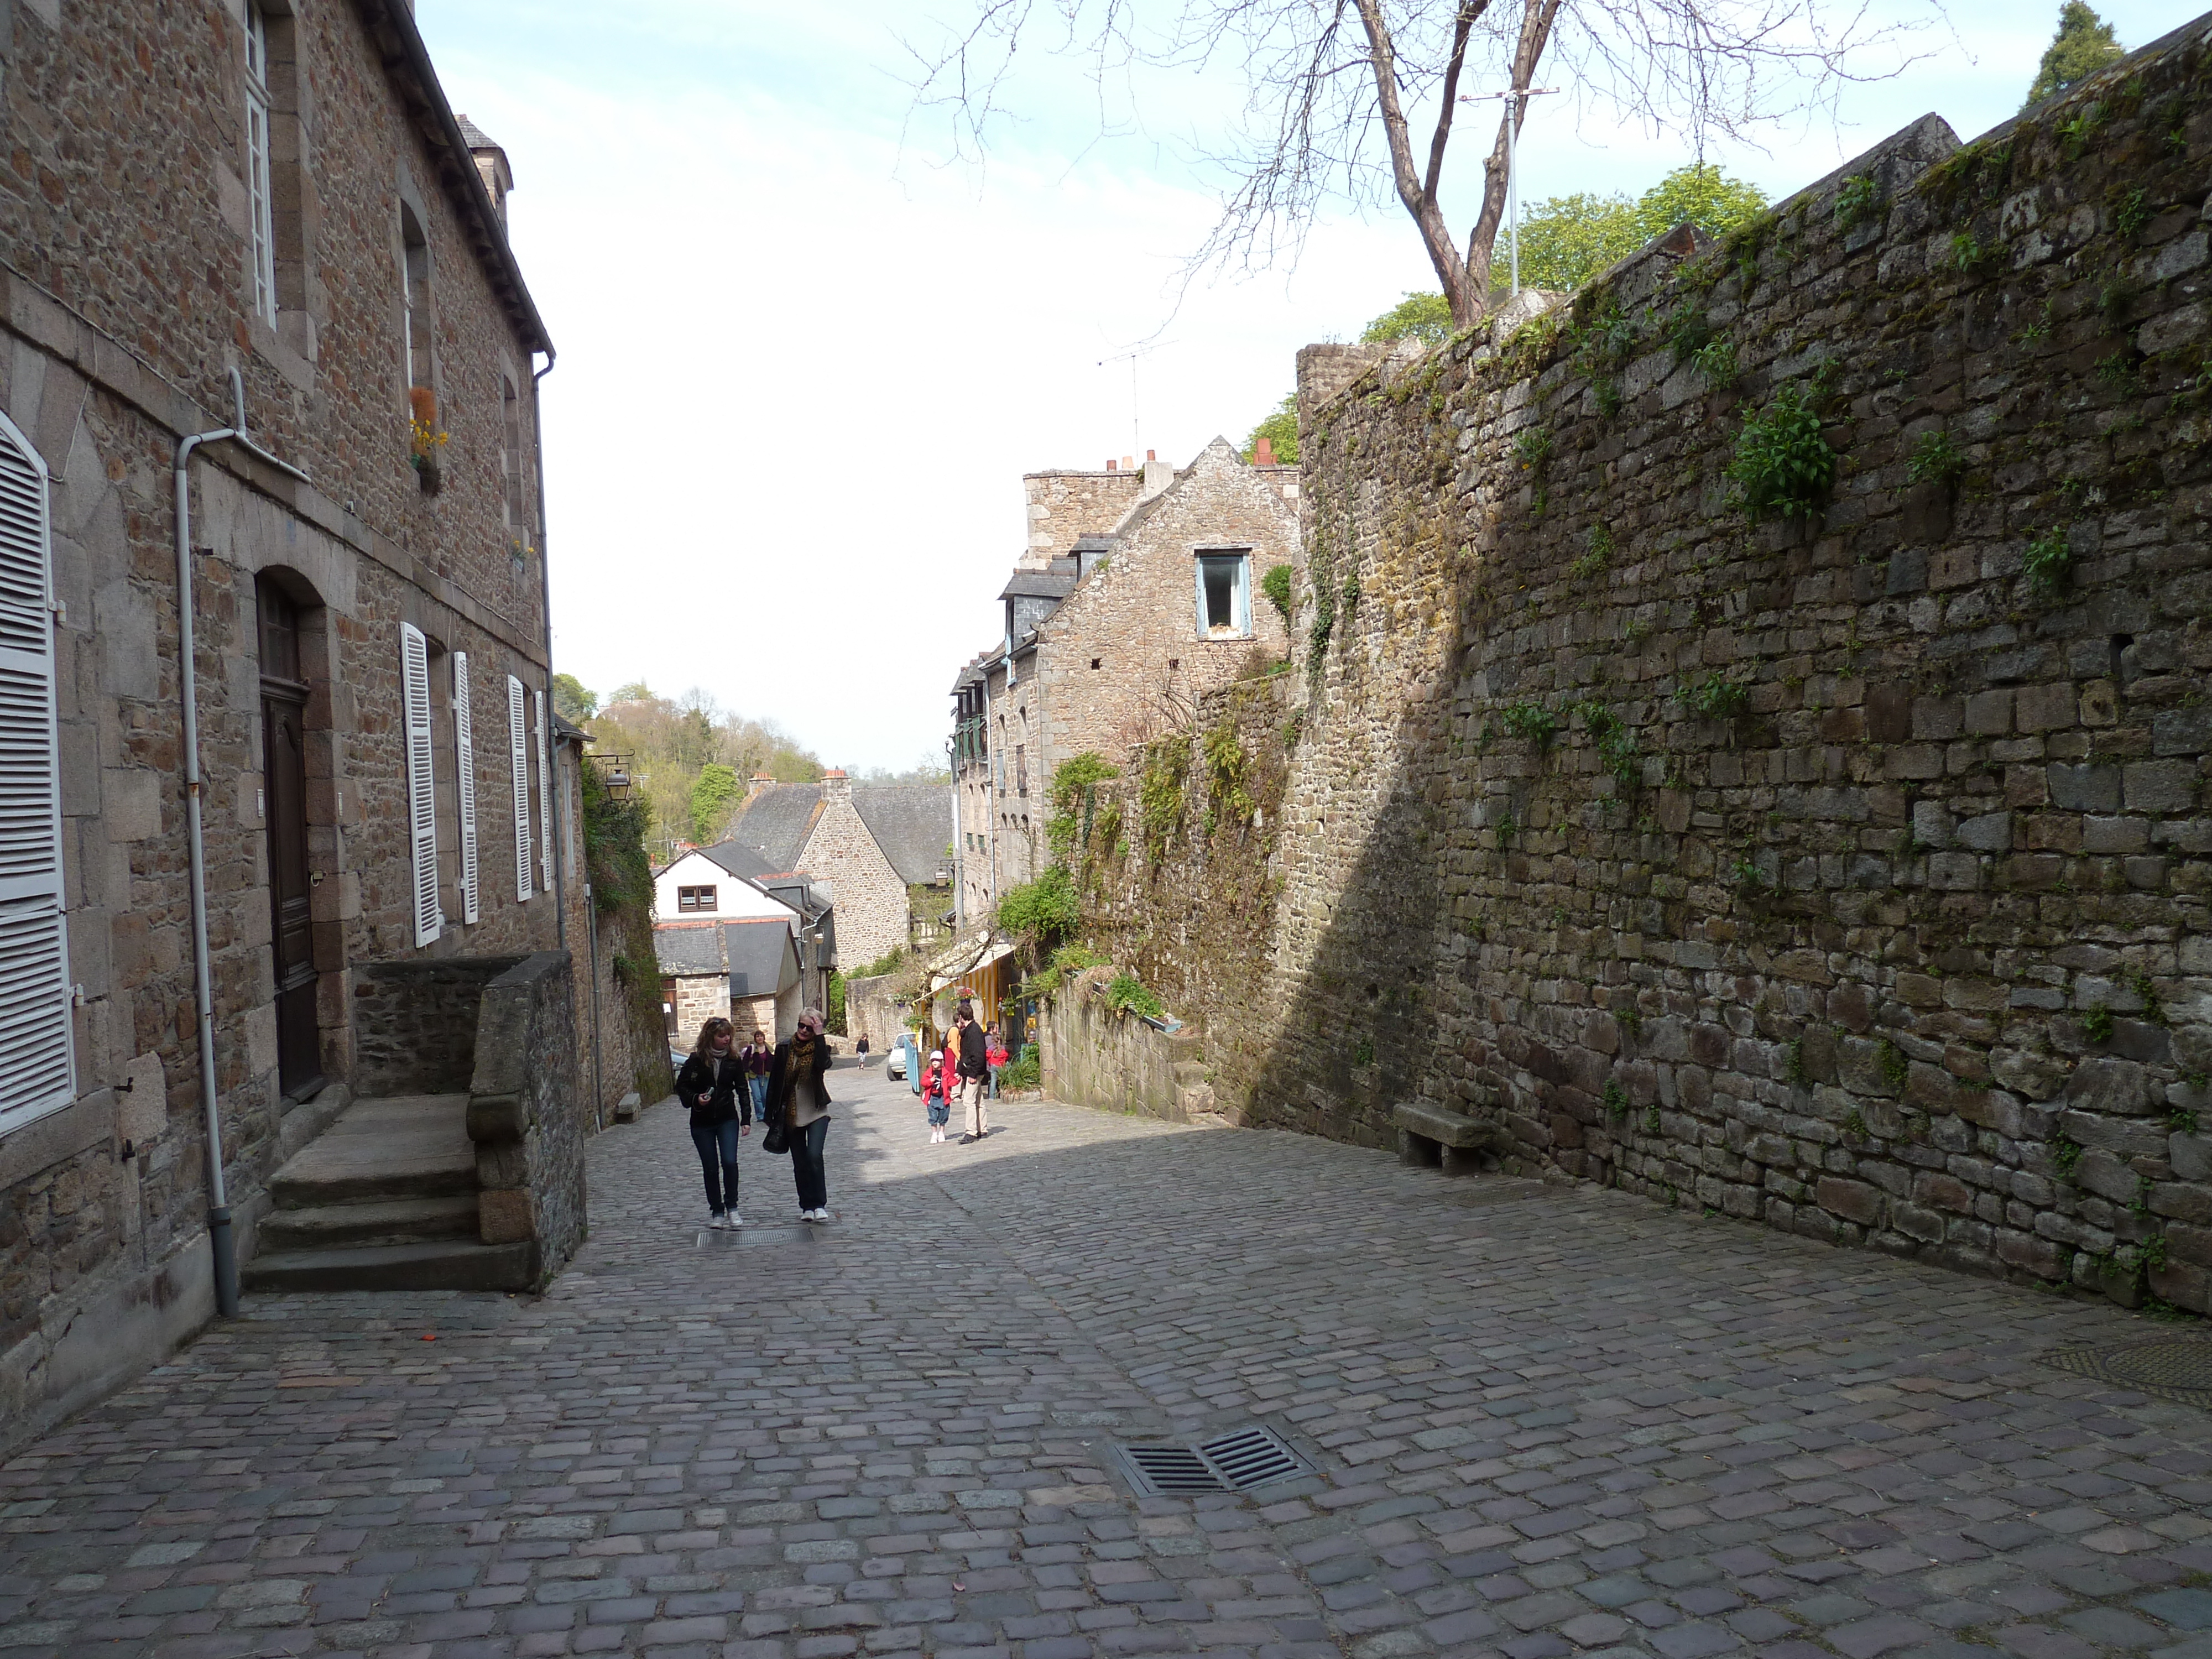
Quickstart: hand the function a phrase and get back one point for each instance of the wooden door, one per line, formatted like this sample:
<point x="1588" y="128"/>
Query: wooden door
<point x="284" y="810"/>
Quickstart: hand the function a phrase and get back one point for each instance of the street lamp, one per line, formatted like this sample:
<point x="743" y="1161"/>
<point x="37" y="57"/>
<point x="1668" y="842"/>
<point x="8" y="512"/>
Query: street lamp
<point x="1520" y="95"/>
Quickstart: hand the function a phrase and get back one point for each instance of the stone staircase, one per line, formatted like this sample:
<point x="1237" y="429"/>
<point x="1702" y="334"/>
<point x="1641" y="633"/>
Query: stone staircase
<point x="387" y="1197"/>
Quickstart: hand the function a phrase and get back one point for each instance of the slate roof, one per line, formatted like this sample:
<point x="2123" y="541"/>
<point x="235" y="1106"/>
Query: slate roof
<point x="1039" y="585"/>
<point x="686" y="948"/>
<point x="739" y="861"/>
<point x="911" y="823"/>
<point x="774" y="824"/>
<point x="761" y="957"/>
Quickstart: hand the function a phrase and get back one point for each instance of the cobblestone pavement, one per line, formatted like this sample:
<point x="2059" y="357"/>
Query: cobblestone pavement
<point x="1544" y="1421"/>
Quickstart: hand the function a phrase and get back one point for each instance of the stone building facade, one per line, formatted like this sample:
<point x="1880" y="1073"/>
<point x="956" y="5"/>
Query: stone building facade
<point x="1843" y="869"/>
<point x="1110" y="637"/>
<point x="877" y="851"/>
<point x="220" y="213"/>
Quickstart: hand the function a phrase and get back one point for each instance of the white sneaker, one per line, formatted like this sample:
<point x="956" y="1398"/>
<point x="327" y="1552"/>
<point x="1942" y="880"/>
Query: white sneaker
<point x="806" y="1215"/>
<point x="715" y="1219"/>
<point x="733" y="1219"/>
<point x="821" y="1215"/>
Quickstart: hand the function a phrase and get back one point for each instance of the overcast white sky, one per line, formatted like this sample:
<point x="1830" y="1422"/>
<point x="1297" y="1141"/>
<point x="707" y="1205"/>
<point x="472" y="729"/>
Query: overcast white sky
<point x="803" y="365"/>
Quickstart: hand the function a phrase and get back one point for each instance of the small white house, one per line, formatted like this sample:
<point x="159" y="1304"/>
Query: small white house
<point x="716" y="884"/>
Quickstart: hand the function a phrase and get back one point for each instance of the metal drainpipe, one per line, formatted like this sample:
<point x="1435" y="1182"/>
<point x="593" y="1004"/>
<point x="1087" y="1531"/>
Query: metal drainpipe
<point x="545" y="616"/>
<point x="219" y="1234"/>
<point x="959" y="843"/>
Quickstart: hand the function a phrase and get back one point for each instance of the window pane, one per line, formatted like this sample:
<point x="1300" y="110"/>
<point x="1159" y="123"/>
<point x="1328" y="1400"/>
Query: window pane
<point x="1220" y="593"/>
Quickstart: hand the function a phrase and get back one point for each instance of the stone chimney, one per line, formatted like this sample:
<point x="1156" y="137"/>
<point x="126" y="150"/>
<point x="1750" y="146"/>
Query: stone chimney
<point x="1263" y="451"/>
<point x="835" y="786"/>
<point x="761" y="780"/>
<point x="1158" y="475"/>
<point x="491" y="165"/>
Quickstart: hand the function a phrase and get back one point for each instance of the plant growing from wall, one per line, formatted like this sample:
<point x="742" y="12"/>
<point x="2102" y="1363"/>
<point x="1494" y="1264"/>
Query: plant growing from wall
<point x="1324" y="624"/>
<point x="1042" y="910"/>
<point x="1596" y="555"/>
<point x="621" y="875"/>
<point x="1226" y="767"/>
<point x="1070" y="796"/>
<point x="1856" y="200"/>
<point x="2065" y="1155"/>
<point x="2097" y="1024"/>
<point x="1160" y="793"/>
<point x="1530" y="721"/>
<point x="1068" y="959"/>
<point x="1615" y="1099"/>
<point x="1935" y="459"/>
<point x="1276" y="584"/>
<point x="2048" y="562"/>
<point x="1715" y="697"/>
<point x="1126" y="994"/>
<point x="1783" y="465"/>
<point x="1616" y="743"/>
<point x="1715" y="361"/>
<point x="1533" y="448"/>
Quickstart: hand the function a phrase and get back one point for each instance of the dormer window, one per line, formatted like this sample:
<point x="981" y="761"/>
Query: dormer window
<point x="701" y="900"/>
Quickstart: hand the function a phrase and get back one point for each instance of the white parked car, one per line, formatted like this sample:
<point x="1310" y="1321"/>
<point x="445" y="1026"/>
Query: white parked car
<point x="894" y="1061"/>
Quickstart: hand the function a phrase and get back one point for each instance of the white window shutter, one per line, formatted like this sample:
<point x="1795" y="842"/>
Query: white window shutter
<point x="37" y="1064"/>
<point x="517" y="755"/>
<point x="464" y="751"/>
<point x="1198" y="565"/>
<point x="422" y="788"/>
<point x="544" y="797"/>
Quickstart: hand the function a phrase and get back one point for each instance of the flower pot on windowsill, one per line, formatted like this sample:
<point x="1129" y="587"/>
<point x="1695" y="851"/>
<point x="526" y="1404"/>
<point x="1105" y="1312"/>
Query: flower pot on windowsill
<point x="428" y="473"/>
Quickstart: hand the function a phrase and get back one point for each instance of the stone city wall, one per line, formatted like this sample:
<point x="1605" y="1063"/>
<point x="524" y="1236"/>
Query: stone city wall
<point x="1846" y="870"/>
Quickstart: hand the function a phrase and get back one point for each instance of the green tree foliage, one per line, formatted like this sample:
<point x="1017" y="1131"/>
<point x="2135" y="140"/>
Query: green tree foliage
<point x="1280" y="428"/>
<point x="1276" y="584"/>
<point x="573" y="700"/>
<point x="670" y="742"/>
<point x="2084" y="43"/>
<point x="835" y="1014"/>
<point x="1567" y="240"/>
<point x="1043" y="909"/>
<point x="1424" y="317"/>
<point x="715" y="793"/>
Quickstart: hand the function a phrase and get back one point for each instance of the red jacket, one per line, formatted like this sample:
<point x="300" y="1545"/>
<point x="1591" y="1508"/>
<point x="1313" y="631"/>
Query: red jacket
<point x="933" y="1085"/>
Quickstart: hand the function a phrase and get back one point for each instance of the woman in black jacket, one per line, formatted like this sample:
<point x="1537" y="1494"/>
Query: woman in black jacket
<point x="713" y="1085"/>
<point x="796" y="1093"/>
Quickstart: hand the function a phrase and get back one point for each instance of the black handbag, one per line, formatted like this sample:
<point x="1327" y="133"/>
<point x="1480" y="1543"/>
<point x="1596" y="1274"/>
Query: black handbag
<point x="777" y="1141"/>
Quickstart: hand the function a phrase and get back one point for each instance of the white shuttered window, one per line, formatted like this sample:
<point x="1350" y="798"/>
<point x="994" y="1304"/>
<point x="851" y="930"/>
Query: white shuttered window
<point x="37" y="1075"/>
<point x="465" y="752"/>
<point x="421" y="791"/>
<point x="544" y="798"/>
<point x="518" y="752"/>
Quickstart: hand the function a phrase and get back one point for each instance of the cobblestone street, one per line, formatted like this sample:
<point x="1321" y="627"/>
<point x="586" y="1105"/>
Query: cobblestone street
<point x="1544" y="1421"/>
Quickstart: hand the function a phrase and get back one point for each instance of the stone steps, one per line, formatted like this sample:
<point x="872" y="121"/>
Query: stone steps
<point x="447" y="1265"/>
<point x="399" y="1147"/>
<point x="385" y="1198"/>
<point x="385" y="1221"/>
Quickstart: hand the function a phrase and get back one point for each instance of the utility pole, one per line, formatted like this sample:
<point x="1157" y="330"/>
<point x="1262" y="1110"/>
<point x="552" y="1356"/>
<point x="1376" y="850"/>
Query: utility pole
<point x="1520" y="97"/>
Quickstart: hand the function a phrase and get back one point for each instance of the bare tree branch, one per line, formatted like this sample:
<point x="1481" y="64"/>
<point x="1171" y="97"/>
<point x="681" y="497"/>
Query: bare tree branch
<point x="1327" y="111"/>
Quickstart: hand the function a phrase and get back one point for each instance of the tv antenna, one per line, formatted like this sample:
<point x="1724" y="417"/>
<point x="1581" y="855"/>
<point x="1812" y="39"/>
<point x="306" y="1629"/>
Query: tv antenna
<point x="1521" y="95"/>
<point x="1131" y="357"/>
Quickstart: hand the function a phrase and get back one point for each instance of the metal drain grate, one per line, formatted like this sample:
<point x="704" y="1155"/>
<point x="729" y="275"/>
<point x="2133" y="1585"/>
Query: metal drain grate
<point x="2171" y="1367"/>
<point x="1230" y="1462"/>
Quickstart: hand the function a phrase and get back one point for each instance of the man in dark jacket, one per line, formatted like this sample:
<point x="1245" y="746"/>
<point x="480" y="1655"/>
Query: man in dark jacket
<point x="975" y="1073"/>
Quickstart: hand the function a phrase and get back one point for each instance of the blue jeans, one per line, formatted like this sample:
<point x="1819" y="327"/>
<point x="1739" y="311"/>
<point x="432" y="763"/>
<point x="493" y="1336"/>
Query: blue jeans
<point x="940" y="1111"/>
<point x="759" y="1085"/>
<point x="806" y="1171"/>
<point x="722" y="1177"/>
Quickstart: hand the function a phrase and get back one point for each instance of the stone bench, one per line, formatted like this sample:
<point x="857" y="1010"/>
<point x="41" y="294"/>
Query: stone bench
<point x="1431" y="1136"/>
